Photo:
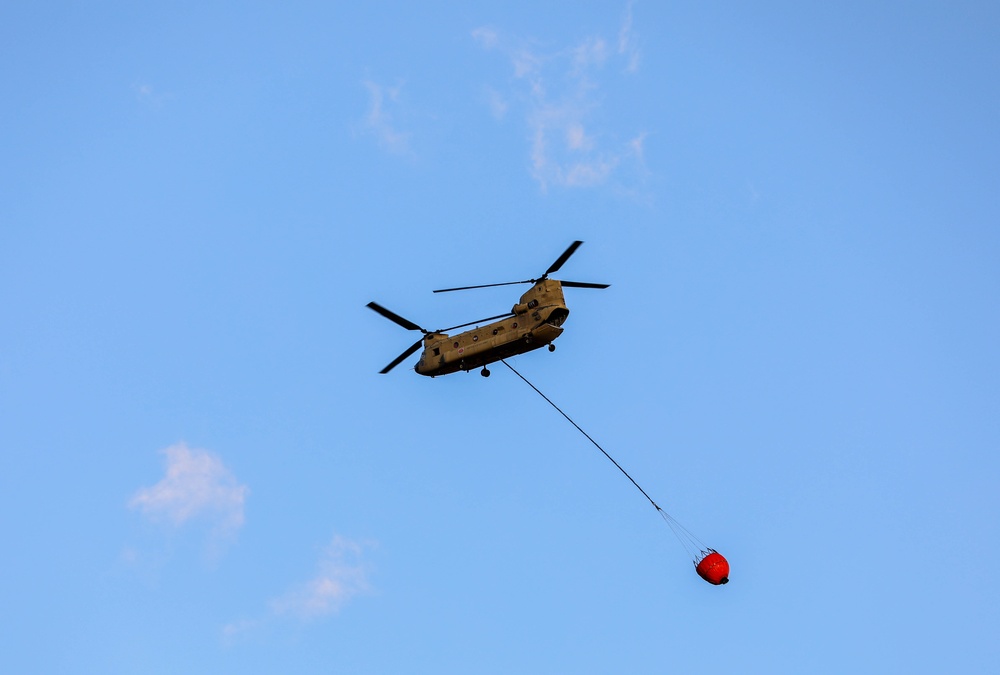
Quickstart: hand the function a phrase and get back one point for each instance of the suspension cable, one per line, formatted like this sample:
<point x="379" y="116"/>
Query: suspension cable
<point x="596" y="444"/>
<point x="692" y="545"/>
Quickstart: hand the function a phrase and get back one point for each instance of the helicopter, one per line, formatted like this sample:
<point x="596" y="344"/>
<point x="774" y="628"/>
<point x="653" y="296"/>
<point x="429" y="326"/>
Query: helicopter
<point x="534" y="322"/>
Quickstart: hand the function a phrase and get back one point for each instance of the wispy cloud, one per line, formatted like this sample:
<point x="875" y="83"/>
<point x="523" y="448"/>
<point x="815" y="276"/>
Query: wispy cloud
<point x="592" y="52"/>
<point x="485" y="36"/>
<point x="498" y="105"/>
<point x="196" y="485"/>
<point x="383" y="101"/>
<point x="628" y="42"/>
<point x="559" y="94"/>
<point x="341" y="575"/>
<point x="147" y="95"/>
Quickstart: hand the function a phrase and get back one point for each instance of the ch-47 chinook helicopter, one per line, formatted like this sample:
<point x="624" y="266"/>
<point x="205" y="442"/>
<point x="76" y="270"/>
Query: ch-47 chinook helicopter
<point x="534" y="322"/>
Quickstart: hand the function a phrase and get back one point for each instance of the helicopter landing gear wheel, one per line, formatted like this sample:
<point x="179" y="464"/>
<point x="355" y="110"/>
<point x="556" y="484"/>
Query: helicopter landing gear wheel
<point x="552" y="347"/>
<point x="485" y="372"/>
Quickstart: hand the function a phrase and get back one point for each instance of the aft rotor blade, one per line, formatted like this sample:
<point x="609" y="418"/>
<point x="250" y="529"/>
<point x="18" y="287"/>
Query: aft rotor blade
<point x="582" y="284"/>
<point x="399" y="359"/>
<point x="466" y="288"/>
<point x="395" y="318"/>
<point x="561" y="260"/>
<point x="472" y="323"/>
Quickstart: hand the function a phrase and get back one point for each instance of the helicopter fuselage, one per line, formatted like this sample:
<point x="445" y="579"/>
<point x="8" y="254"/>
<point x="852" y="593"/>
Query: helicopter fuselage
<point x="537" y="321"/>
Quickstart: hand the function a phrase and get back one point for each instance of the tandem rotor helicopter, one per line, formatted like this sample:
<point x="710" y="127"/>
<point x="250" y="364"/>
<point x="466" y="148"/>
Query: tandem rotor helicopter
<point x="534" y="322"/>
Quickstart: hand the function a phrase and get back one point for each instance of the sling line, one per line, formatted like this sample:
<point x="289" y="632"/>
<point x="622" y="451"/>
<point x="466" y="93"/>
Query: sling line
<point x="694" y="546"/>
<point x="596" y="444"/>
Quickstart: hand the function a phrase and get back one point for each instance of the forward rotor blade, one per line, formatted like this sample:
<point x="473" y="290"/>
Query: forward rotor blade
<point x="582" y="284"/>
<point x="561" y="260"/>
<point x="472" y="323"/>
<point x="399" y="359"/>
<point x="465" y="288"/>
<point x="395" y="318"/>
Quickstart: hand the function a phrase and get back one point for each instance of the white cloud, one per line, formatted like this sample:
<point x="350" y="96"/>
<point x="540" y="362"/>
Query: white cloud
<point x="196" y="485"/>
<point x="591" y="52"/>
<point x="577" y="139"/>
<point x="497" y="103"/>
<point x="526" y="63"/>
<point x="234" y="629"/>
<point x="148" y="96"/>
<point x="627" y="46"/>
<point x="487" y="37"/>
<point x="559" y="94"/>
<point x="638" y="145"/>
<point x="587" y="174"/>
<point x="340" y="577"/>
<point x="379" y="121"/>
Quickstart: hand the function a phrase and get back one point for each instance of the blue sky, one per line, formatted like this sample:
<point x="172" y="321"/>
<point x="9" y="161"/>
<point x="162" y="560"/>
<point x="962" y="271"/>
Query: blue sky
<point x="203" y="471"/>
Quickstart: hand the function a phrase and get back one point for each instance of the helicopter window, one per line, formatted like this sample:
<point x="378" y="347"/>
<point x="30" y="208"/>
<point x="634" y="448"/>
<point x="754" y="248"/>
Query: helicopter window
<point x="456" y="344"/>
<point x="515" y="325"/>
<point x="475" y="338"/>
<point x="437" y="351"/>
